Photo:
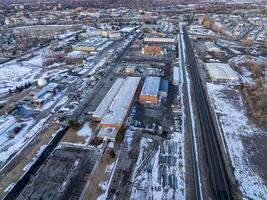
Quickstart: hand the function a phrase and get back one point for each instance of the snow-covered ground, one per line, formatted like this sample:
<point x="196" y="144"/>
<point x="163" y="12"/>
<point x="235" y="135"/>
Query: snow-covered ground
<point x="85" y="131"/>
<point x="16" y="73"/>
<point x="146" y="185"/>
<point x="163" y="174"/>
<point x="98" y="65"/>
<point x="234" y="125"/>
<point x="10" y="146"/>
<point x="110" y="167"/>
<point x="78" y="54"/>
<point x="61" y="103"/>
<point x="129" y="136"/>
<point x="12" y="75"/>
<point x="36" y="61"/>
<point x="54" y="72"/>
<point x="56" y="98"/>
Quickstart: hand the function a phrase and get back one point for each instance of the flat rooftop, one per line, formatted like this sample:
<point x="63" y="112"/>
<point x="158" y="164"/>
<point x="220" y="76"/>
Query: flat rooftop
<point x="164" y="84"/>
<point x="118" y="109"/>
<point x="151" y="86"/>
<point x="221" y="71"/>
<point x="159" y="39"/>
<point x="105" y="103"/>
<point x="108" y="133"/>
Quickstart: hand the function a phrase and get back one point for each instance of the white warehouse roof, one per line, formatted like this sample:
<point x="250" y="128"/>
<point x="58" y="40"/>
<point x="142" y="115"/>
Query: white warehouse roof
<point x="118" y="109"/>
<point x="105" y="103"/>
<point x="159" y="39"/>
<point x="176" y="75"/>
<point x="151" y="86"/>
<point x="219" y="71"/>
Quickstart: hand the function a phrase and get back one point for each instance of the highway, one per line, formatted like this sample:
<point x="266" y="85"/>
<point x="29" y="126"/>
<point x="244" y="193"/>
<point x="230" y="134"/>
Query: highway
<point x="219" y="180"/>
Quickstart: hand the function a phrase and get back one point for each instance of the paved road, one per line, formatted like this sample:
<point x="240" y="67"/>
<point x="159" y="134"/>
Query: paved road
<point x="219" y="180"/>
<point x="86" y="101"/>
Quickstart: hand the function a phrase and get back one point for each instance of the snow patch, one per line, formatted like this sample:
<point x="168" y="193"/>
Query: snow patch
<point x="85" y="131"/>
<point x="234" y="124"/>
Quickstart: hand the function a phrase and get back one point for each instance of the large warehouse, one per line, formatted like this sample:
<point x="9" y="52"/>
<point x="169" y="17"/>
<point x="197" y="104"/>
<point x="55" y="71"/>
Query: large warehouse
<point x="152" y="50"/>
<point x="117" y="111"/>
<point x="150" y="90"/>
<point x="159" y="39"/>
<point x="105" y="103"/>
<point x="221" y="71"/>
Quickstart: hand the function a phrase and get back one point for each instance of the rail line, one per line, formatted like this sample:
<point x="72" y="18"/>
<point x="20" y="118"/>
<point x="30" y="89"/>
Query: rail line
<point x="219" y="180"/>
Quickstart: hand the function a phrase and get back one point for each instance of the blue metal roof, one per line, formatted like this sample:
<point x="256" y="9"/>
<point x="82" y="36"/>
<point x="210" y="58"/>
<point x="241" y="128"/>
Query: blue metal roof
<point x="164" y="85"/>
<point x="151" y="86"/>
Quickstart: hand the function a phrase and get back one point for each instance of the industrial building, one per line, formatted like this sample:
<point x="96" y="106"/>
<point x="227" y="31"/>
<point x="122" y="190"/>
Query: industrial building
<point x="111" y="34"/>
<point x="163" y="88"/>
<point x="221" y="71"/>
<point x="91" y="45"/>
<point x="118" y="109"/>
<point x="44" y="94"/>
<point x="108" y="134"/>
<point x="130" y="69"/>
<point x="159" y="39"/>
<point x="176" y="75"/>
<point x="83" y="47"/>
<point x="211" y="47"/>
<point x="150" y="90"/>
<point x="113" y="109"/>
<point x="105" y="103"/>
<point x="152" y="50"/>
<point x="115" y="35"/>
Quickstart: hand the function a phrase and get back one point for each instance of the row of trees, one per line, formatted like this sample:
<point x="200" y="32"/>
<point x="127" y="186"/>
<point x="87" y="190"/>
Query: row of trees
<point x="210" y="24"/>
<point x="257" y="69"/>
<point x="52" y="57"/>
<point x="21" y="88"/>
<point x="256" y="93"/>
<point x="256" y="99"/>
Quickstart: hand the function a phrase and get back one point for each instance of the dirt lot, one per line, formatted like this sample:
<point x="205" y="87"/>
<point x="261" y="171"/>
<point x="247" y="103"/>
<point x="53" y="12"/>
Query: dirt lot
<point x="72" y="137"/>
<point x="100" y="176"/>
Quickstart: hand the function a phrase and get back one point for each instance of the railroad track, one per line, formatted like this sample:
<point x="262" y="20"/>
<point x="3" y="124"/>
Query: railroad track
<point x="219" y="181"/>
<point x="150" y="155"/>
<point x="195" y="173"/>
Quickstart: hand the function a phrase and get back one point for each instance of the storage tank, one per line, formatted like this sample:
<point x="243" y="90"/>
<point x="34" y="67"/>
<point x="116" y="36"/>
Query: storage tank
<point x="42" y="82"/>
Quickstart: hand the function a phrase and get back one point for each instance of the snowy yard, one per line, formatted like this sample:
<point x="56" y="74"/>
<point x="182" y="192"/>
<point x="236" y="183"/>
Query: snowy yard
<point x="11" y="145"/>
<point x="234" y="125"/>
<point x="12" y="75"/>
<point x="36" y="60"/>
<point x="86" y="131"/>
<point x="78" y="54"/>
<point x="163" y="174"/>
